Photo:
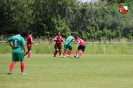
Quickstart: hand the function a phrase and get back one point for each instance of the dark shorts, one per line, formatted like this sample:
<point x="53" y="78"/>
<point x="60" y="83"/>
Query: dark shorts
<point x="81" y="47"/>
<point x="29" y="48"/>
<point x="69" y="46"/>
<point x="58" y="47"/>
<point x="17" y="57"/>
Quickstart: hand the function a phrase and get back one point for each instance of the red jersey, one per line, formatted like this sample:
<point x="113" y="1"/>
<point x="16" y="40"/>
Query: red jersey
<point x="58" y="40"/>
<point x="80" y="41"/>
<point x="29" y="40"/>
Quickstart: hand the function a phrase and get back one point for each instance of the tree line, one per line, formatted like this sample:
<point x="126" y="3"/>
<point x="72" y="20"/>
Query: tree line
<point x="91" y="21"/>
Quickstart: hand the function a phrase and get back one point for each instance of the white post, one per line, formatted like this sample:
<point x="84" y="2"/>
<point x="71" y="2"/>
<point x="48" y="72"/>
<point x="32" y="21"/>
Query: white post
<point x="104" y="46"/>
<point x="132" y="47"/>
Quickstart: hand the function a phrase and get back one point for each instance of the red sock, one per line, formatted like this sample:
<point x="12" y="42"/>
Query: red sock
<point x="55" y="53"/>
<point x="64" y="53"/>
<point x="70" y="52"/>
<point x="77" y="52"/>
<point x="11" y="66"/>
<point x="29" y="53"/>
<point x="59" y="52"/>
<point x="80" y="54"/>
<point x="22" y="66"/>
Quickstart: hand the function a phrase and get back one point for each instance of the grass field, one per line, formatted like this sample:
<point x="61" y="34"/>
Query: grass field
<point x="90" y="71"/>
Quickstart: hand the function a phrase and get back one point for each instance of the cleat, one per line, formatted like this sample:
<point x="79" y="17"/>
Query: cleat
<point x="23" y="73"/>
<point x="78" y="57"/>
<point x="74" y="56"/>
<point x="10" y="73"/>
<point x="69" y="56"/>
<point x="64" y="56"/>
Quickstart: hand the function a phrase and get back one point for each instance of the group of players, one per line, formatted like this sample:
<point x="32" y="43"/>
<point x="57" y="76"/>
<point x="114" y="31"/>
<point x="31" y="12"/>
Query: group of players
<point x="68" y="45"/>
<point x="17" y="44"/>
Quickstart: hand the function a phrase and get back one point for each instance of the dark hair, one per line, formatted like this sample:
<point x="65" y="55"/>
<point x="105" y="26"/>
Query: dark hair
<point x="30" y="32"/>
<point x="76" y="36"/>
<point x="18" y="31"/>
<point x="72" y="34"/>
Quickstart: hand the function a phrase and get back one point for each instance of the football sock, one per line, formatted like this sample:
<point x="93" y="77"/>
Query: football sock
<point x="59" y="52"/>
<point x="11" y="66"/>
<point x="22" y="66"/>
<point x="55" y="53"/>
<point x="70" y="52"/>
<point x="80" y="54"/>
<point x="29" y="53"/>
<point x="77" y="52"/>
<point x="64" y="53"/>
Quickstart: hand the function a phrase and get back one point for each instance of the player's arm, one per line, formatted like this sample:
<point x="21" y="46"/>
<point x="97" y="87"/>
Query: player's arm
<point x="23" y="47"/>
<point x="62" y="40"/>
<point x="78" y="42"/>
<point x="9" y="43"/>
<point x="51" y="41"/>
<point x="33" y="42"/>
<point x="72" y="40"/>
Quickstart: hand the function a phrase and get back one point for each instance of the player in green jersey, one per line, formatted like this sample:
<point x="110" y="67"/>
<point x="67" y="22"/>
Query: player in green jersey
<point x="17" y="44"/>
<point x="68" y="44"/>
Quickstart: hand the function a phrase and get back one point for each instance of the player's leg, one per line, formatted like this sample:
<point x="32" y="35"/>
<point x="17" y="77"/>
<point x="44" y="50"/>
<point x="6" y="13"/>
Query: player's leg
<point x="21" y="59"/>
<point x="60" y="47"/>
<point x="65" y="48"/>
<point x="82" y="50"/>
<point x="56" y="51"/>
<point x="70" y="50"/>
<point x="29" y="51"/>
<point x="14" y="59"/>
<point x="76" y="53"/>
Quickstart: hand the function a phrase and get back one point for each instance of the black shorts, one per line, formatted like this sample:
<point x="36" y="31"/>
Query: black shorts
<point x="81" y="47"/>
<point x="29" y="48"/>
<point x="59" y="47"/>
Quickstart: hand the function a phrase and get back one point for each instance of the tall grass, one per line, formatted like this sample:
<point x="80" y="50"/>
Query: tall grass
<point x="94" y="48"/>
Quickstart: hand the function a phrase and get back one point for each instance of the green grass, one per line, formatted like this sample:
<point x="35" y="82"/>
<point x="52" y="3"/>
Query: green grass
<point x="90" y="71"/>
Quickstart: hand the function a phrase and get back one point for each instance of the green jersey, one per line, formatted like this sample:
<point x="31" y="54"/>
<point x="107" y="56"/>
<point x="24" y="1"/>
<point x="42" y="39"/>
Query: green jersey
<point x="69" y="39"/>
<point x="18" y="42"/>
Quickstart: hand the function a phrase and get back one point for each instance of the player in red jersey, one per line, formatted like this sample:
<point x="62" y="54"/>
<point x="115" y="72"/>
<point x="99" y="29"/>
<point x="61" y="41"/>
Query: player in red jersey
<point x="29" y="44"/>
<point x="81" y="47"/>
<point x="58" y="44"/>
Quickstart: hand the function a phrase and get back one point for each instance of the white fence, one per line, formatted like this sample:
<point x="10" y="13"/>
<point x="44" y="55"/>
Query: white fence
<point x="102" y="43"/>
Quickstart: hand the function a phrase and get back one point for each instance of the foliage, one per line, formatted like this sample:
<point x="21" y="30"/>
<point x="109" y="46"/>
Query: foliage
<point x="92" y="21"/>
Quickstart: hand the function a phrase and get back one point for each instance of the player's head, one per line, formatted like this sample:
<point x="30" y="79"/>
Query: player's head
<point x="59" y="33"/>
<point x="30" y="32"/>
<point x="18" y="31"/>
<point x="72" y="34"/>
<point x="76" y="37"/>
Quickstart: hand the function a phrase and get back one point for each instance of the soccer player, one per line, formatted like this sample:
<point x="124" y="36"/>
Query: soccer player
<point x="68" y="44"/>
<point x="29" y="44"/>
<point x="58" y="44"/>
<point x="17" y="44"/>
<point x="81" y="47"/>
